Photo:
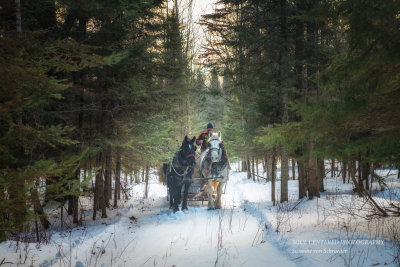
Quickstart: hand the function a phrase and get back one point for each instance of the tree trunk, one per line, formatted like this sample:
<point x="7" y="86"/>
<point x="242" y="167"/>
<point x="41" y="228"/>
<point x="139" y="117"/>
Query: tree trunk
<point x="268" y="165"/>
<point x="117" y="190"/>
<point x="344" y="171"/>
<point x="284" y="175"/>
<point x="257" y="170"/>
<point x="37" y="208"/>
<point x="137" y="176"/>
<point x="146" y="193"/>
<point x="302" y="179"/>
<point x="313" y="182"/>
<point x="360" y="177"/>
<point x="321" y="174"/>
<point x="252" y="169"/>
<point x="75" y="199"/>
<point x="283" y="82"/>
<point x="333" y="174"/>
<point x="352" y="174"/>
<point x="107" y="177"/>
<point x="352" y="168"/>
<point x="293" y="169"/>
<point x="273" y="175"/>
<point x="248" y="168"/>
<point x="365" y="171"/>
<point x="96" y="203"/>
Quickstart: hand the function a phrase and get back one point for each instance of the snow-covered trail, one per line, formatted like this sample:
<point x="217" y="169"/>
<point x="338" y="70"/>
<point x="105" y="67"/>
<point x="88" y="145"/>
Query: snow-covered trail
<point x="147" y="233"/>
<point x="233" y="236"/>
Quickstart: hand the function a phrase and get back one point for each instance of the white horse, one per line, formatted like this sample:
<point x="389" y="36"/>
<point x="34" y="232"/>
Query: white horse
<point x="214" y="166"/>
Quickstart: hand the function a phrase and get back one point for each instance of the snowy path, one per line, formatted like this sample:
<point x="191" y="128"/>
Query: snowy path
<point x="241" y="234"/>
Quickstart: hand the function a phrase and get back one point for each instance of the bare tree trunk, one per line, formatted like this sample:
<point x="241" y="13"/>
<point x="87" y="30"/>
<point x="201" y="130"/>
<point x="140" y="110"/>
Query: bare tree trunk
<point x="146" y="193"/>
<point x="248" y="167"/>
<point x="137" y="176"/>
<point x="117" y="190"/>
<point x="257" y="170"/>
<point x="333" y="174"/>
<point x="99" y="199"/>
<point x="344" y="171"/>
<point x="321" y="174"/>
<point x="273" y="175"/>
<point x="107" y="177"/>
<point x="75" y="199"/>
<point x="352" y="174"/>
<point x="37" y="208"/>
<point x="313" y="182"/>
<point x="96" y="188"/>
<point x="302" y="179"/>
<point x="365" y="171"/>
<point x="284" y="175"/>
<point x="252" y="169"/>
<point x="102" y="196"/>
<point x="352" y="169"/>
<point x="360" y="177"/>
<point x="268" y="165"/>
<point x="293" y="169"/>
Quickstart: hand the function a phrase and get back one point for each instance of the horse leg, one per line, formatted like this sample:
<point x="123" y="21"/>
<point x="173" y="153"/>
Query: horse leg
<point x="218" y="204"/>
<point x="175" y="195"/>
<point x="171" y="199"/>
<point x="185" y="196"/>
<point x="209" y="189"/>
<point x="178" y="197"/>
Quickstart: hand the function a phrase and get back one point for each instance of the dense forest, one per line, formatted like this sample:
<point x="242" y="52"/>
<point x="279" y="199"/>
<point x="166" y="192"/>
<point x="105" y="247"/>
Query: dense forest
<point x="94" y="94"/>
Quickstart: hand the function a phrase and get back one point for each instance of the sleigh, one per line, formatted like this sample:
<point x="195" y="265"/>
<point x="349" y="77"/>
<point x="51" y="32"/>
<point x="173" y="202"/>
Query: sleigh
<point x="196" y="189"/>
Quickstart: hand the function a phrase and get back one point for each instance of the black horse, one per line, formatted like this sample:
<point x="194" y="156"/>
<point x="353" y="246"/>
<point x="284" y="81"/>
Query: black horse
<point x="179" y="172"/>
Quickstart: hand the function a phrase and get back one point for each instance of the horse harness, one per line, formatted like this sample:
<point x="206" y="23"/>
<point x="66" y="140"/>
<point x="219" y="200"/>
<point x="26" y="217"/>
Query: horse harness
<point x="171" y="165"/>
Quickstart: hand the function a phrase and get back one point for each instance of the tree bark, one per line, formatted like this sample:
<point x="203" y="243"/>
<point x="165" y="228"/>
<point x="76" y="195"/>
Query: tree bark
<point x="360" y="177"/>
<point x="248" y="167"/>
<point x="107" y="177"/>
<point x="302" y="179"/>
<point x="313" y="182"/>
<point x="321" y="174"/>
<point x="37" y="208"/>
<point x="365" y="171"/>
<point x="257" y="170"/>
<point x="293" y="169"/>
<point x="146" y="193"/>
<point x="252" y="169"/>
<point x="268" y="164"/>
<point x="117" y="190"/>
<point x="344" y="171"/>
<point x="284" y="175"/>
<point x="273" y="175"/>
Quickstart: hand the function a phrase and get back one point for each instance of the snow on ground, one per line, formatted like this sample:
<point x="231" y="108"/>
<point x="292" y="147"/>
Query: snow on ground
<point x="249" y="231"/>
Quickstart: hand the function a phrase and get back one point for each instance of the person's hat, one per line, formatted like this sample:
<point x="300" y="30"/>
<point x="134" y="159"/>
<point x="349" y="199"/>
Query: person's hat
<point x="209" y="125"/>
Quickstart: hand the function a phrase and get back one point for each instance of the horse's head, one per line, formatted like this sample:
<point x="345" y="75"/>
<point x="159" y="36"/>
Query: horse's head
<point x="188" y="150"/>
<point x="214" y="145"/>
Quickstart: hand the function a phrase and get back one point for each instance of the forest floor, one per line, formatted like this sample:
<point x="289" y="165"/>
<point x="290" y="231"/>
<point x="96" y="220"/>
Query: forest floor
<point x="334" y="230"/>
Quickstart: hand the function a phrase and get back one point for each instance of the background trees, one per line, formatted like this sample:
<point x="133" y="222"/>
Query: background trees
<point x="312" y="81"/>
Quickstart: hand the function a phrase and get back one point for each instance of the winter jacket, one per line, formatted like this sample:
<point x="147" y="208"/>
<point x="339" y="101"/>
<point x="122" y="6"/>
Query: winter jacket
<point x="203" y="136"/>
